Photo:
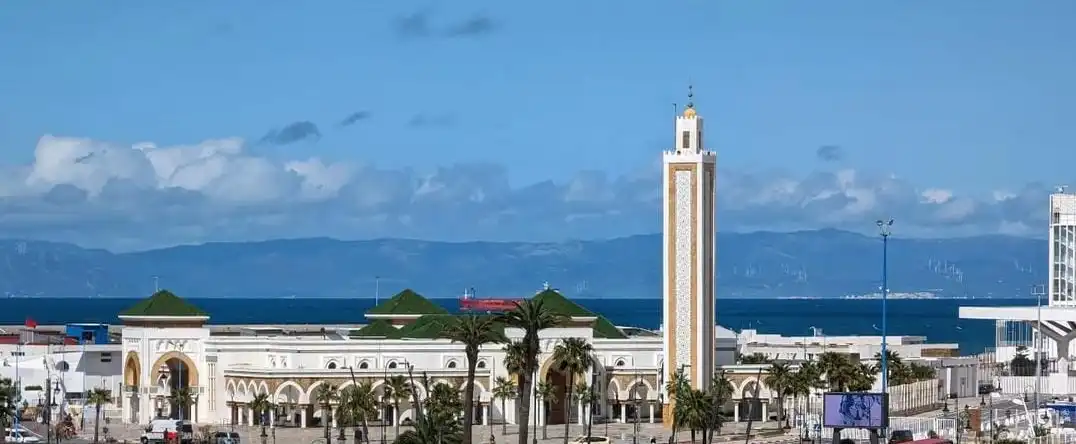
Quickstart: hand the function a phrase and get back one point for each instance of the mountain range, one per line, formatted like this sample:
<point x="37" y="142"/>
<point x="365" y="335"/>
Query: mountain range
<point x="822" y="263"/>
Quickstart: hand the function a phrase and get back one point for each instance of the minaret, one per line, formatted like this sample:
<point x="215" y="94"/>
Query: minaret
<point x="688" y="253"/>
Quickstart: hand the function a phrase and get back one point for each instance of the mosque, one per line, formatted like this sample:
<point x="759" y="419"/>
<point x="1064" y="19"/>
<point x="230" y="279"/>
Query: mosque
<point x="165" y="342"/>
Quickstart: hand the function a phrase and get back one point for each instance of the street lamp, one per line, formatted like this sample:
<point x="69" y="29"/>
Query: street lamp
<point x="884" y="229"/>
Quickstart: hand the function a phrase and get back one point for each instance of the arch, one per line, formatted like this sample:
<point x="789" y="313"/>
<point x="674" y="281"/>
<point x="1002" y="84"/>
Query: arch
<point x="479" y="387"/>
<point x="332" y="365"/>
<point x="746" y="388"/>
<point x="481" y="363"/>
<point x="614" y="387"/>
<point x="620" y="362"/>
<point x="392" y="364"/>
<point x="308" y="397"/>
<point x="452" y="363"/>
<point x="286" y="384"/>
<point x="229" y="389"/>
<point x="132" y="370"/>
<point x="263" y="388"/>
<point x="650" y="393"/>
<point x="192" y="370"/>
<point x="442" y="382"/>
<point x="364" y="364"/>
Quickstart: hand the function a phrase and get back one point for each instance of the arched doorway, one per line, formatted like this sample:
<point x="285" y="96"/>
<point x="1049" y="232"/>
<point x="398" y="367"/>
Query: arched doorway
<point x="132" y="379"/>
<point x="750" y="402"/>
<point x="555" y="410"/>
<point x="176" y="379"/>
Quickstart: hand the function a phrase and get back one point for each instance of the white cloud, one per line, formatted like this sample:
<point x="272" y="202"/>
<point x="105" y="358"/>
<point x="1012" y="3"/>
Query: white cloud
<point x="122" y="197"/>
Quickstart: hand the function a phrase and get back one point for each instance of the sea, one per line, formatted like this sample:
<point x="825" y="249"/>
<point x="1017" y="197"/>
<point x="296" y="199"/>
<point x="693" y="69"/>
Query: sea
<point x="936" y="319"/>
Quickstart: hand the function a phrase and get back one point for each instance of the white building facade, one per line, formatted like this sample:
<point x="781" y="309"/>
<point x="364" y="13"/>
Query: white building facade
<point x="166" y="344"/>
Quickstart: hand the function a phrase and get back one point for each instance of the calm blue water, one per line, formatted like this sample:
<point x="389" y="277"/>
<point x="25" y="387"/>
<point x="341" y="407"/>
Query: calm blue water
<point x="935" y="319"/>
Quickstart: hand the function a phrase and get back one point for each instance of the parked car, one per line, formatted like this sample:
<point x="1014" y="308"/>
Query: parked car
<point x="901" y="436"/>
<point x="226" y="438"/>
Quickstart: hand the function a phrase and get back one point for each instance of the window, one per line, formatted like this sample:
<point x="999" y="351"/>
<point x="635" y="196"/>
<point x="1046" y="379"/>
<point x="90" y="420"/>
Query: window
<point x="392" y="364"/>
<point x="212" y="386"/>
<point x="686" y="140"/>
<point x="481" y="364"/>
<point x="63" y="366"/>
<point x="364" y="365"/>
<point x="106" y="357"/>
<point x="451" y="364"/>
<point x="700" y="139"/>
<point x="620" y="362"/>
<point x="331" y="366"/>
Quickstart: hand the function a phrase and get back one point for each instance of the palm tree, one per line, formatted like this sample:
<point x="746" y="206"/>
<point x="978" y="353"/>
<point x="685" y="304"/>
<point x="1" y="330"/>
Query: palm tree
<point x="807" y="378"/>
<point x="182" y="398"/>
<point x="473" y="331"/>
<point x="259" y="406"/>
<point x="8" y="398"/>
<point x="399" y="389"/>
<point x="98" y="397"/>
<point x="531" y="316"/>
<point x="720" y="392"/>
<point x="678" y="385"/>
<point x="433" y="428"/>
<point x="779" y="380"/>
<point x="357" y="404"/>
<point x="573" y="356"/>
<point x="545" y="393"/>
<point x="584" y="395"/>
<point x="505" y="390"/>
<point x="862" y="377"/>
<point x="325" y="395"/>
<point x="754" y="358"/>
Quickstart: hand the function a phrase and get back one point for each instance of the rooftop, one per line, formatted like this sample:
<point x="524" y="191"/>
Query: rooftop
<point x="163" y="303"/>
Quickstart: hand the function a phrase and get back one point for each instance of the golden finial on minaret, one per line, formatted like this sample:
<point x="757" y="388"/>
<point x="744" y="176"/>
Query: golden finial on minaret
<point x="689" y="111"/>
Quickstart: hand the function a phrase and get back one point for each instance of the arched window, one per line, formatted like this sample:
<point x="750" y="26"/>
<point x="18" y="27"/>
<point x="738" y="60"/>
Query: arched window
<point x="481" y="364"/>
<point x="451" y="364"/>
<point x="63" y="366"/>
<point x="331" y="366"/>
<point x="620" y="363"/>
<point x="364" y="365"/>
<point x="392" y="364"/>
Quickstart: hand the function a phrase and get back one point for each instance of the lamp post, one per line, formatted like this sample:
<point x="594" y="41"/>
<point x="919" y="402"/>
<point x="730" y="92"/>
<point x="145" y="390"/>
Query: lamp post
<point x="884" y="230"/>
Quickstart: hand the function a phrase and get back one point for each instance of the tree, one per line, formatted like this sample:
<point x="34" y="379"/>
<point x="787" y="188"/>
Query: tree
<point x="326" y="395"/>
<point x="807" y="378"/>
<point x="399" y="389"/>
<point x="473" y="332"/>
<point x="779" y="380"/>
<point x="431" y="427"/>
<point x="8" y="398"/>
<point x="531" y="316"/>
<point x="754" y="358"/>
<point x="182" y="398"/>
<point x="259" y="405"/>
<point x="505" y="390"/>
<point x="573" y="356"/>
<point x="514" y="361"/>
<point x="98" y="397"/>
<point x="584" y="395"/>
<point x="1022" y="365"/>
<point x="357" y="404"/>
<point x="677" y="387"/>
<point x="545" y="393"/>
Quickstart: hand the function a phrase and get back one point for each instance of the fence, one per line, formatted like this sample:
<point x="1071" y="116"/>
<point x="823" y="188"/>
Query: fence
<point x="919" y="426"/>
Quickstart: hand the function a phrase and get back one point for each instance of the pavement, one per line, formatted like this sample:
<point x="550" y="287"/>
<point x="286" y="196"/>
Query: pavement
<point x="620" y="433"/>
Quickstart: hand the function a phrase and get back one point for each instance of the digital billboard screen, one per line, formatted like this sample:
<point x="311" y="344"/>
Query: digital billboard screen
<point x="855" y="410"/>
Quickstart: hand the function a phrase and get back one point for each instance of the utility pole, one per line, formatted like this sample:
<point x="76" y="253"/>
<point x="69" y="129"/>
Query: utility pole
<point x="1038" y="291"/>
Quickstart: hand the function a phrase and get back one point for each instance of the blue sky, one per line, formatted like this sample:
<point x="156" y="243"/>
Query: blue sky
<point x="963" y="102"/>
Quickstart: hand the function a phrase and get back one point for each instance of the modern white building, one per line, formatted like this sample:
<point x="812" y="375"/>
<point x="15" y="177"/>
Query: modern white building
<point x="1047" y="329"/>
<point x="809" y="347"/>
